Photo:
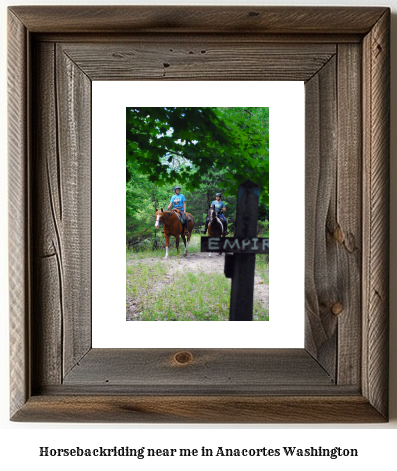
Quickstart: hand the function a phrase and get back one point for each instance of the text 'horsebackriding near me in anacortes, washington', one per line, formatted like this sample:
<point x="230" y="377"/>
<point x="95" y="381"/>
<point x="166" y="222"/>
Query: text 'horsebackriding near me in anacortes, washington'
<point x="240" y="251"/>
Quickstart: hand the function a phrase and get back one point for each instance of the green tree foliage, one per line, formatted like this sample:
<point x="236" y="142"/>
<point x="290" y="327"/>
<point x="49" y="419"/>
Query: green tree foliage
<point x="142" y="199"/>
<point x="204" y="150"/>
<point x="199" y="140"/>
<point x="251" y="157"/>
<point x="200" y="199"/>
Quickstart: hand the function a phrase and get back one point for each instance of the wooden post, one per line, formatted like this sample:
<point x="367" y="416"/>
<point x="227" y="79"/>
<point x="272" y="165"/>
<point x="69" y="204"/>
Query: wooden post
<point x="242" y="296"/>
<point x="240" y="252"/>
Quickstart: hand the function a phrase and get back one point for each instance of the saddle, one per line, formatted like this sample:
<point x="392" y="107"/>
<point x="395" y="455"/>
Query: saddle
<point x="178" y="213"/>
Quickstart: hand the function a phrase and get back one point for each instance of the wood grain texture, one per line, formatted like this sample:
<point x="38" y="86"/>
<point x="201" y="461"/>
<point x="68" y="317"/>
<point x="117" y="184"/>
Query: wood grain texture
<point x="62" y="208"/>
<point x="376" y="92"/>
<point x="198" y="19"/>
<point x="48" y="299"/>
<point x="347" y="225"/>
<point x="199" y="409"/>
<point x="321" y="260"/>
<point x="209" y="59"/>
<point x="333" y="212"/>
<point x="244" y="37"/>
<point x="18" y="181"/>
<point x="74" y="124"/>
<point x="339" y="378"/>
<point x="153" y="368"/>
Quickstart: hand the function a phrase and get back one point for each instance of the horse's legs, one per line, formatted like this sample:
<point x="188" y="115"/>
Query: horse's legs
<point x="190" y="229"/>
<point x="220" y="253"/>
<point x="177" y="244"/>
<point x="167" y="243"/>
<point x="210" y="235"/>
<point x="186" y="242"/>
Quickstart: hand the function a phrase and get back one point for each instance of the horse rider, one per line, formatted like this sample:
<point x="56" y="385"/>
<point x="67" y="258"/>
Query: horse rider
<point x="178" y="201"/>
<point x="220" y="208"/>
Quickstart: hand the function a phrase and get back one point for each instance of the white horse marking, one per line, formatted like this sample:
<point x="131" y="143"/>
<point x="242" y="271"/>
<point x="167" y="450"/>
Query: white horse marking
<point x="220" y="222"/>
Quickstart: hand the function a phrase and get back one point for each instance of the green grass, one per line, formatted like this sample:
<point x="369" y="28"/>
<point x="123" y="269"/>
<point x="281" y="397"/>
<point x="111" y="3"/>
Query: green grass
<point x="191" y="298"/>
<point x="262" y="267"/>
<point x="147" y="252"/>
<point x="195" y="296"/>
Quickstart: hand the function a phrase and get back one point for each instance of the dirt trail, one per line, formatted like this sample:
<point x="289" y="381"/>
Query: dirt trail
<point x="195" y="261"/>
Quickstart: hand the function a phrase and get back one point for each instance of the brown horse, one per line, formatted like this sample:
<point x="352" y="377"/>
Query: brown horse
<point x="173" y="227"/>
<point x="216" y="227"/>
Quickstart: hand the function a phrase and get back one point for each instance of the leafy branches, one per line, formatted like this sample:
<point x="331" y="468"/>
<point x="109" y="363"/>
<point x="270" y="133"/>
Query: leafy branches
<point x="184" y="144"/>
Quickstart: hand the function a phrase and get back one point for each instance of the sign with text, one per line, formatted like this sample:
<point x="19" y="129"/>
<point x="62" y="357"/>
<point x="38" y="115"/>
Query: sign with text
<point x="253" y="245"/>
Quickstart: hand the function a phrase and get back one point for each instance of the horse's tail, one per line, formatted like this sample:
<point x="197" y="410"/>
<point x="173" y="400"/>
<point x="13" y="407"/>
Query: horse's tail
<point x="192" y="219"/>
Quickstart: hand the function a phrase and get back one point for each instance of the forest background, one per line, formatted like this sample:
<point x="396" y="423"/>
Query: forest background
<point x="203" y="150"/>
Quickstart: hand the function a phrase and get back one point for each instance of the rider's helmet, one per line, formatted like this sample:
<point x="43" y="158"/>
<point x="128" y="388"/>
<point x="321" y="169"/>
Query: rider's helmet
<point x="218" y="194"/>
<point x="176" y="188"/>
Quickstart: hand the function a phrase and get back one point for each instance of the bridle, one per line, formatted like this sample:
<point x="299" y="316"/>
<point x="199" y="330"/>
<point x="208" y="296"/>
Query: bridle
<point x="161" y="218"/>
<point x="212" y="214"/>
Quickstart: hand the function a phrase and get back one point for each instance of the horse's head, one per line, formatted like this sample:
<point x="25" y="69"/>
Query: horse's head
<point x="159" y="218"/>
<point x="211" y="213"/>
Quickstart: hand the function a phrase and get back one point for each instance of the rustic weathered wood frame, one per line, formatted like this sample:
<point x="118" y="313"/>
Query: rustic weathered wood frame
<point x="343" y="56"/>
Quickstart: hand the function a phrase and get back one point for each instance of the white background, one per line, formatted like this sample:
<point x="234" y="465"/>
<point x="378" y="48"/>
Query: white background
<point x="286" y="103"/>
<point x="20" y="442"/>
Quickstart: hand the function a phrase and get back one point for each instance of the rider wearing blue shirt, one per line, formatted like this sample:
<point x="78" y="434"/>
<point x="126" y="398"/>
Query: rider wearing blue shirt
<point x="219" y="205"/>
<point x="178" y="201"/>
<point x="219" y="208"/>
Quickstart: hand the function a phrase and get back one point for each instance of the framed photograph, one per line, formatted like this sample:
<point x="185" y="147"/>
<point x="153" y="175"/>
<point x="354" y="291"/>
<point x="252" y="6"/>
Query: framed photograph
<point x="197" y="273"/>
<point x="340" y="375"/>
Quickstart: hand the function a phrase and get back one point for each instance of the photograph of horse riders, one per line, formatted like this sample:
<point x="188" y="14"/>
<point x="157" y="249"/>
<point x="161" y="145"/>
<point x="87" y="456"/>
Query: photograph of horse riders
<point x="218" y="226"/>
<point x="177" y="222"/>
<point x="184" y="167"/>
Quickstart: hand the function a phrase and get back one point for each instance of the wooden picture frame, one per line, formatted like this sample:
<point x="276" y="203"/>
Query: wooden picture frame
<point x="342" y="54"/>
